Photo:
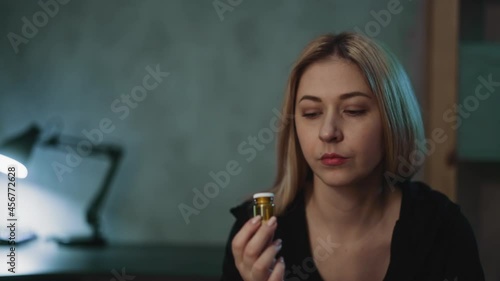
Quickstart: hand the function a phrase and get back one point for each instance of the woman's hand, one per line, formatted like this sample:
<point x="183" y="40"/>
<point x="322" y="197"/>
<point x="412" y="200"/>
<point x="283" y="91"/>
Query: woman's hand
<point x="254" y="253"/>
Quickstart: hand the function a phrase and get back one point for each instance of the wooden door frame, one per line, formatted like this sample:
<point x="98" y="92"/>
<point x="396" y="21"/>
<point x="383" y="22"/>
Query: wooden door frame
<point x="440" y="170"/>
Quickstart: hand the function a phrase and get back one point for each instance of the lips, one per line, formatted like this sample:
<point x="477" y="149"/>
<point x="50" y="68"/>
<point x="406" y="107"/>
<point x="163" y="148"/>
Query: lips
<point x="331" y="156"/>
<point x="333" y="159"/>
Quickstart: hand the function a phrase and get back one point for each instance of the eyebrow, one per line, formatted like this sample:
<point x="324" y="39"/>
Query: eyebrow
<point x="342" y="97"/>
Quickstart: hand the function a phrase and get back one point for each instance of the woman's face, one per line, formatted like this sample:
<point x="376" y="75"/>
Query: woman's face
<point x="336" y="112"/>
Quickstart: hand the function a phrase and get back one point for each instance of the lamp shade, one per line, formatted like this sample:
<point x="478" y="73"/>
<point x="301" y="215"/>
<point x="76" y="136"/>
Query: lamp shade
<point x="16" y="151"/>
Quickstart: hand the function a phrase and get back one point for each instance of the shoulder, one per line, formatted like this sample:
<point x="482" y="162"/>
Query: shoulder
<point x="425" y="210"/>
<point x="422" y="200"/>
<point x="438" y="226"/>
<point x="419" y="191"/>
<point x="243" y="211"/>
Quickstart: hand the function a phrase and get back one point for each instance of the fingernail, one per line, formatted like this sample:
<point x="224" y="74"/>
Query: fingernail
<point x="282" y="260"/>
<point x="278" y="244"/>
<point x="271" y="221"/>
<point x="256" y="219"/>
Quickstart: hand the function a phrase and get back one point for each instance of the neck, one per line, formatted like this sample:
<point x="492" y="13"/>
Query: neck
<point x="348" y="212"/>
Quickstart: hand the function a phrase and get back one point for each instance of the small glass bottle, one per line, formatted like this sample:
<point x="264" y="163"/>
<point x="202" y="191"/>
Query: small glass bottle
<point x="263" y="205"/>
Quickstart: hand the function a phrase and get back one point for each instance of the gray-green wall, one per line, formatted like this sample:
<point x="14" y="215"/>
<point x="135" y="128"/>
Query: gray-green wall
<point x="227" y="74"/>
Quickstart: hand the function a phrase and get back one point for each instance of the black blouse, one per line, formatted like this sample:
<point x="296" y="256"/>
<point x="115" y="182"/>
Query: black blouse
<point x="431" y="241"/>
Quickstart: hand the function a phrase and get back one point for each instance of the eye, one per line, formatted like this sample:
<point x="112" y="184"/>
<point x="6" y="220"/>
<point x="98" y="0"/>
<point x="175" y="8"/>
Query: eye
<point x="311" y="115"/>
<point x="355" y="112"/>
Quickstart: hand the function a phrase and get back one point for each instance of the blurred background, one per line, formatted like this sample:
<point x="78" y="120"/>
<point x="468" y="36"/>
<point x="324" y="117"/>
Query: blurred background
<point x="186" y="91"/>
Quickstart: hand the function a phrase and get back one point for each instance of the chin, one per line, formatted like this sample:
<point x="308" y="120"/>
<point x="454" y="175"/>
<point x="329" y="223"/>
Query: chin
<point x="336" y="178"/>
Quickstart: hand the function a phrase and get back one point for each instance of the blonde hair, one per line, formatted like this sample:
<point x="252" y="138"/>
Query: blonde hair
<point x="400" y="114"/>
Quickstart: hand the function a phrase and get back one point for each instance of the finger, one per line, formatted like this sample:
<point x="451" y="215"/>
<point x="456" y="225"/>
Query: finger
<point x="265" y="263"/>
<point x="259" y="241"/>
<point x="241" y="239"/>
<point x="278" y="273"/>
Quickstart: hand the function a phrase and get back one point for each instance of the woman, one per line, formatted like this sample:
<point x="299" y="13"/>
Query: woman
<point x="345" y="206"/>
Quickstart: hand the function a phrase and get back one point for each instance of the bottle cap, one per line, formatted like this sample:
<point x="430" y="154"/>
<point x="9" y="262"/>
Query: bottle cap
<point x="263" y="194"/>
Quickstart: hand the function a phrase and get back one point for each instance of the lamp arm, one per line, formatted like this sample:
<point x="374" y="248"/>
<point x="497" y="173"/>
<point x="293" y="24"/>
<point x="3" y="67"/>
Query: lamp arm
<point x="114" y="153"/>
<point x="93" y="211"/>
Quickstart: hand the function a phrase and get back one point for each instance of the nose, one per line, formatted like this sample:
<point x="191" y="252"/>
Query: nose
<point x="330" y="130"/>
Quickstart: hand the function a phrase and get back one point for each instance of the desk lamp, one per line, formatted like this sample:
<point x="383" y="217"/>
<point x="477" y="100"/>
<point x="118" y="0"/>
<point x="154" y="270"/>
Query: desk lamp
<point x="16" y="151"/>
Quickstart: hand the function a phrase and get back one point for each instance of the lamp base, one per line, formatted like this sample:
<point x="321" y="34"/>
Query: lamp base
<point x="21" y="237"/>
<point x="90" y="241"/>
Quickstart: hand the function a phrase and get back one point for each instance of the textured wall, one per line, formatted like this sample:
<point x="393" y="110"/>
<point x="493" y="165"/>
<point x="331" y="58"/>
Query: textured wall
<point x="227" y="72"/>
